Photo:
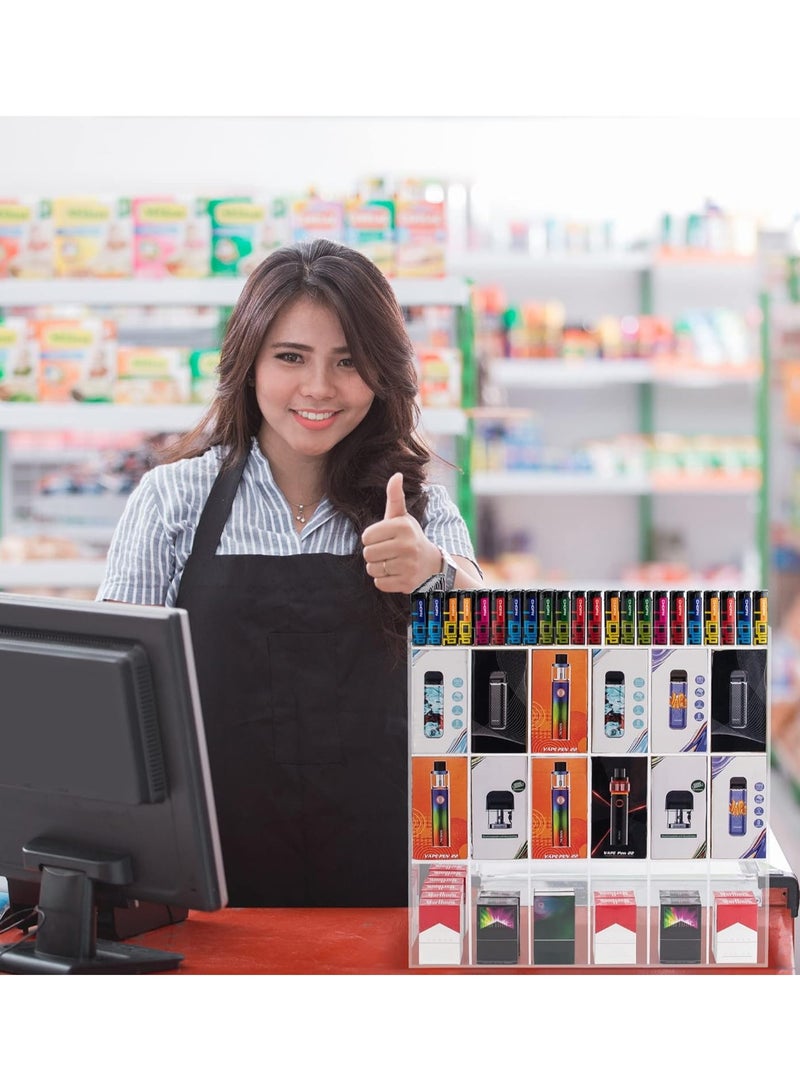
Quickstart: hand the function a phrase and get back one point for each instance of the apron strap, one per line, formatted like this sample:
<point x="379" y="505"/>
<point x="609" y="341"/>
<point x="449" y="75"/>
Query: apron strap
<point x="217" y="509"/>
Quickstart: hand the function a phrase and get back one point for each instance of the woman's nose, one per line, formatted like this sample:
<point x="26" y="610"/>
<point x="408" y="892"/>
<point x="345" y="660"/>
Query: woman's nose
<point x="318" y="381"/>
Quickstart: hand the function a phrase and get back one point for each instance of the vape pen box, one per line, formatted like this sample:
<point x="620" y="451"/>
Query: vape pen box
<point x="439" y="808"/>
<point x="439" y="713"/>
<point x="559" y="701"/>
<point x="620" y="682"/>
<point x="680" y="699"/>
<point x="499" y="701"/>
<point x="739" y="700"/>
<point x="734" y="935"/>
<point x="679" y="927"/>
<point x="554" y="927"/>
<point x="559" y="826"/>
<point x="497" y="938"/>
<point x="739" y="806"/>
<point x="499" y="792"/>
<point x="614" y="927"/>
<point x="619" y="807"/>
<point x="678" y="806"/>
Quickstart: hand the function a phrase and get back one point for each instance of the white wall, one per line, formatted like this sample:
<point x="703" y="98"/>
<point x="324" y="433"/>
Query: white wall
<point x="626" y="169"/>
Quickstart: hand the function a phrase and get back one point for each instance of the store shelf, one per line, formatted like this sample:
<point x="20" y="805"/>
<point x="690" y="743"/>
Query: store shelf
<point x="599" y="372"/>
<point x="482" y="263"/>
<point x="196" y="292"/>
<point x="443" y="422"/>
<point x="536" y="483"/>
<point x="98" y="416"/>
<point x="84" y="574"/>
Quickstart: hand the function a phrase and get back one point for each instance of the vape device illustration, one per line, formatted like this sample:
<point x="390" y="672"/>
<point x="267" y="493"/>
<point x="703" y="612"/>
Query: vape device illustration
<point x="500" y="810"/>
<point x="727" y="617"/>
<point x="450" y="621"/>
<point x="483" y="609"/>
<point x="678" y="699"/>
<point x="433" y="700"/>
<point x="530" y="617"/>
<point x="559" y="797"/>
<point x="612" y="617"/>
<point x="744" y="617"/>
<point x="435" y="611"/>
<point x="498" y="620"/>
<point x="760" y="617"/>
<point x="498" y="700"/>
<point x="711" y="616"/>
<point x="738" y="699"/>
<point x="466" y="616"/>
<point x="679" y="806"/>
<point x="578" y="617"/>
<point x="554" y="927"/>
<point x="440" y="805"/>
<point x="497" y="931"/>
<point x="679" y="934"/>
<point x="419" y="618"/>
<point x="620" y="790"/>
<point x="614" y="708"/>
<point x="514" y="617"/>
<point x="546" y="620"/>
<point x="737" y="807"/>
<point x="660" y="617"/>
<point x="677" y="617"/>
<point x="562" y="617"/>
<point x="594" y="617"/>
<point x="644" y="617"/>
<point x="627" y="617"/>
<point x="560" y="679"/>
<point x="694" y="617"/>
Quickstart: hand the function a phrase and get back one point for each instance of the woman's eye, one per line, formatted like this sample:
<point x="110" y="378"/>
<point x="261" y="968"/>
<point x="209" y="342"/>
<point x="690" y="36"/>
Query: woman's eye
<point x="289" y="357"/>
<point x="346" y="362"/>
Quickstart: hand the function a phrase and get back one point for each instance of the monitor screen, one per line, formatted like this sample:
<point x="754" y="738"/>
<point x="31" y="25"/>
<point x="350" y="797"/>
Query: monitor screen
<point x="105" y="787"/>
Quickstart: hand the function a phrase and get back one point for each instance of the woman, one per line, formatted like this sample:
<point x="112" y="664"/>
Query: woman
<point x="292" y="524"/>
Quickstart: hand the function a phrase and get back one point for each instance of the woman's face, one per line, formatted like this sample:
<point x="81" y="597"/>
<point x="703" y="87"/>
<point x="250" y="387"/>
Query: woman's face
<point x="309" y="393"/>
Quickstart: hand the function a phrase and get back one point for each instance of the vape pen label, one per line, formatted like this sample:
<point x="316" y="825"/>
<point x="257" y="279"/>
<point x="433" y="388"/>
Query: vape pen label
<point x="739" y="806"/>
<point x="620" y="685"/>
<point x="559" y="826"/>
<point x="439" y="808"/>
<point x="619" y="826"/>
<point x="559" y="701"/>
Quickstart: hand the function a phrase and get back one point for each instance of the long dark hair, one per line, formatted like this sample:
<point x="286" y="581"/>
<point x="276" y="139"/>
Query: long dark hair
<point x="359" y="466"/>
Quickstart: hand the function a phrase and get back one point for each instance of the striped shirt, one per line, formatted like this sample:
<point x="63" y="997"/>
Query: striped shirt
<point x="154" y="537"/>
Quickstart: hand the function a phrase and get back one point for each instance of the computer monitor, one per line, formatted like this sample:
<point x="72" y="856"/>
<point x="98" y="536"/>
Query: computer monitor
<point x="105" y="788"/>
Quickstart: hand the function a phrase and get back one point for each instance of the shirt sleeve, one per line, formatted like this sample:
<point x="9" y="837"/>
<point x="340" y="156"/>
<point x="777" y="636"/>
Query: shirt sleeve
<point x="141" y="558"/>
<point x="445" y="527"/>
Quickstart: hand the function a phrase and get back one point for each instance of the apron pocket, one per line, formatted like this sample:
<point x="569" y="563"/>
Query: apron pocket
<point x="305" y="718"/>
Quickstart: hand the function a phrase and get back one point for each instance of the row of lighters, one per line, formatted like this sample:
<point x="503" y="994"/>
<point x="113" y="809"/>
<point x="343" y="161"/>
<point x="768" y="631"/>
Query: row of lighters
<point x="493" y="617"/>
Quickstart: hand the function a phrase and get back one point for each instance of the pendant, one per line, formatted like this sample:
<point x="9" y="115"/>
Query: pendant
<point x="300" y="518"/>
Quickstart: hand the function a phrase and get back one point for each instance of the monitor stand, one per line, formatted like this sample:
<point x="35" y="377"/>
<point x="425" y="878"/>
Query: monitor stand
<point x="66" y="936"/>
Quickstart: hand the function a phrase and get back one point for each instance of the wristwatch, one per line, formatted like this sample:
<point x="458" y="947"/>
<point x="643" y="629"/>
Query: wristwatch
<point x="448" y="569"/>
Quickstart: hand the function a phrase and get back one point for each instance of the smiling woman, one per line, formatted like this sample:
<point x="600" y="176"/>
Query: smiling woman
<point x="292" y="524"/>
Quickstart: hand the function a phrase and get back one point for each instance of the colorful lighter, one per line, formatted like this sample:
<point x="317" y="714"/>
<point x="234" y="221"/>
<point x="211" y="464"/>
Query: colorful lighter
<point x="711" y="617"/>
<point x="450" y="621"/>
<point x="760" y="617"/>
<point x="727" y="617"/>
<point x="498" y="618"/>
<point x="530" y="617"/>
<point x="559" y="798"/>
<point x="578" y="617"/>
<point x="440" y="805"/>
<point x="627" y="624"/>
<point x="562" y="617"/>
<point x="594" y="617"/>
<point x="419" y="617"/>
<point x="660" y="617"/>
<point x="678" y="699"/>
<point x="677" y="617"/>
<point x="694" y="617"/>
<point x="466" y="616"/>
<point x="644" y="617"/>
<point x="620" y="790"/>
<point x="514" y="617"/>
<point x="559" y="688"/>
<point x="612" y="617"/>
<point x="737" y="807"/>
<point x="546" y="617"/>
<point x="744" y="617"/>
<point x="435" y="612"/>
<point x="483" y="611"/>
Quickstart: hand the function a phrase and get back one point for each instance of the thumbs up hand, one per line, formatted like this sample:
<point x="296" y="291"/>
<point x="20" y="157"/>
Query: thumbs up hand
<point x="397" y="554"/>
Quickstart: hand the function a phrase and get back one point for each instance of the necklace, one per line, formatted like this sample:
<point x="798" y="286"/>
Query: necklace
<point x="301" y="511"/>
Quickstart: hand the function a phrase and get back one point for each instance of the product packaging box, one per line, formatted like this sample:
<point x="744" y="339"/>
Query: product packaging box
<point x="499" y="719"/>
<point x="26" y="237"/>
<point x="77" y="359"/>
<point x="500" y="796"/>
<point x="680" y="699"/>
<point x="439" y="376"/>
<point x="315" y="218"/>
<point x="620" y="678"/>
<point x="497" y="929"/>
<point x="439" y="714"/>
<point x="559" y="825"/>
<point x="19" y="362"/>
<point x="244" y="231"/>
<point x="172" y="237"/>
<point x="739" y="700"/>
<point x="421" y="232"/>
<point x="614" y="927"/>
<point x="204" y="375"/>
<point x="439" y="808"/>
<point x="441" y="918"/>
<point x="559" y="701"/>
<point x="151" y="376"/>
<point x="680" y="926"/>
<point x="619" y="807"/>
<point x="554" y="927"/>
<point x="734" y="931"/>
<point x="678" y="807"/>
<point x="369" y="228"/>
<point x="739" y="806"/>
<point x="93" y="236"/>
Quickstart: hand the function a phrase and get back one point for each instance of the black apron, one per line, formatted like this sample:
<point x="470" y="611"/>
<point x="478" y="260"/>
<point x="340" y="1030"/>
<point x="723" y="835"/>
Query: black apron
<point x="305" y="717"/>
